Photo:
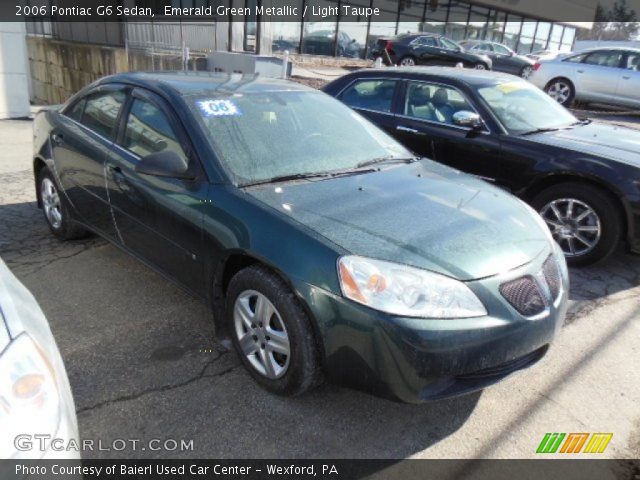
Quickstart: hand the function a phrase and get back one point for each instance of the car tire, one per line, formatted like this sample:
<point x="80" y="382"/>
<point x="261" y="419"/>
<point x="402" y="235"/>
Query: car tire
<point x="408" y="61"/>
<point x="481" y="66"/>
<point x="254" y="338"/>
<point x="56" y="211"/>
<point x="561" y="90"/>
<point x="526" y="71"/>
<point x="606" y="218"/>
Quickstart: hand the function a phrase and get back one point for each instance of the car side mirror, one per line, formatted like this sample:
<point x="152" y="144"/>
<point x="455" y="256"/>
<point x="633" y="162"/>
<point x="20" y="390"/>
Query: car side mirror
<point x="465" y="118"/>
<point x="166" y="163"/>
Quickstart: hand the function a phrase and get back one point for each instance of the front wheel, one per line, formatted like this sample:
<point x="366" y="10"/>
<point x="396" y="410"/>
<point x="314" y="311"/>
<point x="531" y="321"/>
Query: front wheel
<point x="561" y="90"/>
<point x="583" y="219"/>
<point x="272" y="333"/>
<point x="480" y="66"/>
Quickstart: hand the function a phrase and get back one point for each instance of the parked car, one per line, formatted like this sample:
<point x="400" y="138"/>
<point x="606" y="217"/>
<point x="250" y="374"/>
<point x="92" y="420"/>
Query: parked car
<point x="427" y="49"/>
<point x="503" y="59"/>
<point x="323" y="245"/>
<point x="581" y="176"/>
<point x="602" y="75"/>
<point x="323" y="42"/>
<point x="35" y="396"/>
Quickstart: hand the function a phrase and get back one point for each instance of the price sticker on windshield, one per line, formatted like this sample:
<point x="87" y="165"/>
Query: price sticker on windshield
<point x="218" y="108"/>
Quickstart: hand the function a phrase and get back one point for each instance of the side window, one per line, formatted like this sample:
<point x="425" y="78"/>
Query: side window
<point x="101" y="112"/>
<point x="501" y="49"/>
<point x="148" y="130"/>
<point x="75" y="112"/>
<point x="633" y="61"/>
<point x="483" y="47"/>
<point x="604" y="59"/>
<point x="435" y="103"/>
<point x="575" y="58"/>
<point x="425" y="41"/>
<point x="370" y="94"/>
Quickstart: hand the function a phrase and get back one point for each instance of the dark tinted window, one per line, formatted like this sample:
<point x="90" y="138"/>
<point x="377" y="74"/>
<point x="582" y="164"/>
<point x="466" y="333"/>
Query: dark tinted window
<point x="101" y="112"/>
<point x="604" y="59"/>
<point x="76" y="110"/>
<point x="425" y="41"/>
<point x="148" y="130"/>
<point x="370" y="94"/>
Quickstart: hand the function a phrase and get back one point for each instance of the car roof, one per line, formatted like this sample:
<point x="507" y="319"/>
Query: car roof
<point x="199" y="83"/>
<point x="606" y="48"/>
<point x="466" y="75"/>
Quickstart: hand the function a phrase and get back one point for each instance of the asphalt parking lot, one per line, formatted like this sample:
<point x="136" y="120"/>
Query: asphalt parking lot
<point x="144" y="364"/>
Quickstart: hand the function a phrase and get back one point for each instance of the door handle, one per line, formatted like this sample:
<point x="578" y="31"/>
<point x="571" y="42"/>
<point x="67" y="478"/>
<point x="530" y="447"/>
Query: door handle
<point x="57" y="138"/>
<point x="626" y="77"/>
<point x="406" y="129"/>
<point x="580" y="71"/>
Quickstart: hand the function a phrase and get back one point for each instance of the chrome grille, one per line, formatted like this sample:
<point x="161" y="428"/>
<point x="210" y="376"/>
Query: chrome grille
<point x="524" y="295"/>
<point x="551" y="274"/>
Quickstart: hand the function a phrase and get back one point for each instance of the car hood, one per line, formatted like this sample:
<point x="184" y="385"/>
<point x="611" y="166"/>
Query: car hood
<point x="610" y="141"/>
<point x="422" y="214"/>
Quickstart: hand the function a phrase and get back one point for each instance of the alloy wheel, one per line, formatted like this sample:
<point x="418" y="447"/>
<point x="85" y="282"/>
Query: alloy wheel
<point x="261" y="334"/>
<point x="526" y="72"/>
<point x="51" y="203"/>
<point x="480" y="66"/>
<point x="407" y="62"/>
<point x="560" y="91"/>
<point x="574" y="225"/>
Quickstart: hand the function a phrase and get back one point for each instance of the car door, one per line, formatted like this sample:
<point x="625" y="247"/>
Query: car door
<point x="373" y="98"/>
<point x="628" y="88"/>
<point x="449" y="54"/>
<point x="158" y="218"/>
<point x="81" y="142"/>
<point x="503" y="59"/>
<point x="425" y="125"/>
<point x="597" y="75"/>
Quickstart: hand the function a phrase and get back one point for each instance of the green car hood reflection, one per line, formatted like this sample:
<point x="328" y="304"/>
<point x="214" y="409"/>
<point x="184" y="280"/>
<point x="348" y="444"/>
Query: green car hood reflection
<point x="422" y="214"/>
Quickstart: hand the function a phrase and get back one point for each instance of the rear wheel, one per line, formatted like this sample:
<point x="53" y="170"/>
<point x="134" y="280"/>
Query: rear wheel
<point x="407" y="61"/>
<point x="272" y="333"/>
<point x="480" y="66"/>
<point x="55" y="209"/>
<point x="561" y="90"/>
<point x="526" y="71"/>
<point x="583" y="219"/>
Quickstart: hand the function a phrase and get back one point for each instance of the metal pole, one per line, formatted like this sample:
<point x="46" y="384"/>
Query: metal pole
<point x="285" y="64"/>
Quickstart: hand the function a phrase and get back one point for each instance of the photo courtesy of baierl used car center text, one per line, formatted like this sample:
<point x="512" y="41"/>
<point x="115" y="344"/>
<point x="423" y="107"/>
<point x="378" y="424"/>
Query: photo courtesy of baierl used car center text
<point x="333" y="239"/>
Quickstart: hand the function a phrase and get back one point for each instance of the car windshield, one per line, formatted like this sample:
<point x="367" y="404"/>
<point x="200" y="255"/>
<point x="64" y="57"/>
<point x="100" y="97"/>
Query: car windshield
<point x="266" y="135"/>
<point x="523" y="108"/>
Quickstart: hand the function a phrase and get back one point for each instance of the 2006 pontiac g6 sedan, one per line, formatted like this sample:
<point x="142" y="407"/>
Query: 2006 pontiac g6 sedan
<point x="325" y="248"/>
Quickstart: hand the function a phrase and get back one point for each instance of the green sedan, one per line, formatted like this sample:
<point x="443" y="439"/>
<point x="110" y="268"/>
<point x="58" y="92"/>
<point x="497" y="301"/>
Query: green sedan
<point x="326" y="249"/>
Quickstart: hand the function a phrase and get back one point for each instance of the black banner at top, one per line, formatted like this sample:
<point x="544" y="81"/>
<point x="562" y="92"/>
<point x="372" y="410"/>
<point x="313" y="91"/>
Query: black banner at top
<point x="565" y="11"/>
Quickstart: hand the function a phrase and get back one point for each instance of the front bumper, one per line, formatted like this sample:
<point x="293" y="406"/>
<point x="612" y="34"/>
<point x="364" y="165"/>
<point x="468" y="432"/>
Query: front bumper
<point x="416" y="360"/>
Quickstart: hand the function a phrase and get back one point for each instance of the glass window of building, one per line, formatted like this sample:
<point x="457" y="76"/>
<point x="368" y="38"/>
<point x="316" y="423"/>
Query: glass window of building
<point x="285" y="36"/>
<point x="527" y="36"/>
<point x="542" y="36"/>
<point x="456" y="27"/>
<point x="352" y="39"/>
<point x="567" y="39"/>
<point x="495" y="26"/>
<point x="555" y="38"/>
<point x="478" y="21"/>
<point x="320" y="38"/>
<point x="512" y="29"/>
<point x="435" y="16"/>
<point x="411" y="16"/>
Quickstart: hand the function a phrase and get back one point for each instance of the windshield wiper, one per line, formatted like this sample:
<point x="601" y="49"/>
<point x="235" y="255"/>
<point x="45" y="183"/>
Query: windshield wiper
<point x="542" y="130"/>
<point x="287" y="178"/>
<point x="388" y="159"/>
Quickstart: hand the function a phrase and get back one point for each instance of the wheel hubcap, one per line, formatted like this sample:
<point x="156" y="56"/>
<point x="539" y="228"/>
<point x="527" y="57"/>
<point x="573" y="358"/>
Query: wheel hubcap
<point x="261" y="334"/>
<point x="574" y="225"/>
<point x="480" y="67"/>
<point x="51" y="203"/>
<point x="559" y="91"/>
<point x="526" y="72"/>
<point x="408" y="62"/>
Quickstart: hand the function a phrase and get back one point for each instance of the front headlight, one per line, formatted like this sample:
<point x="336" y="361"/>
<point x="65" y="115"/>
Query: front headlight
<point x="29" y="399"/>
<point x="406" y="291"/>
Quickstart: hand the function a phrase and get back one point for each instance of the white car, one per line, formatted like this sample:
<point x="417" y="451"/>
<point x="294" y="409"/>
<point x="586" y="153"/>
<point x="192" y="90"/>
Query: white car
<point x="601" y="75"/>
<point x="36" y="406"/>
